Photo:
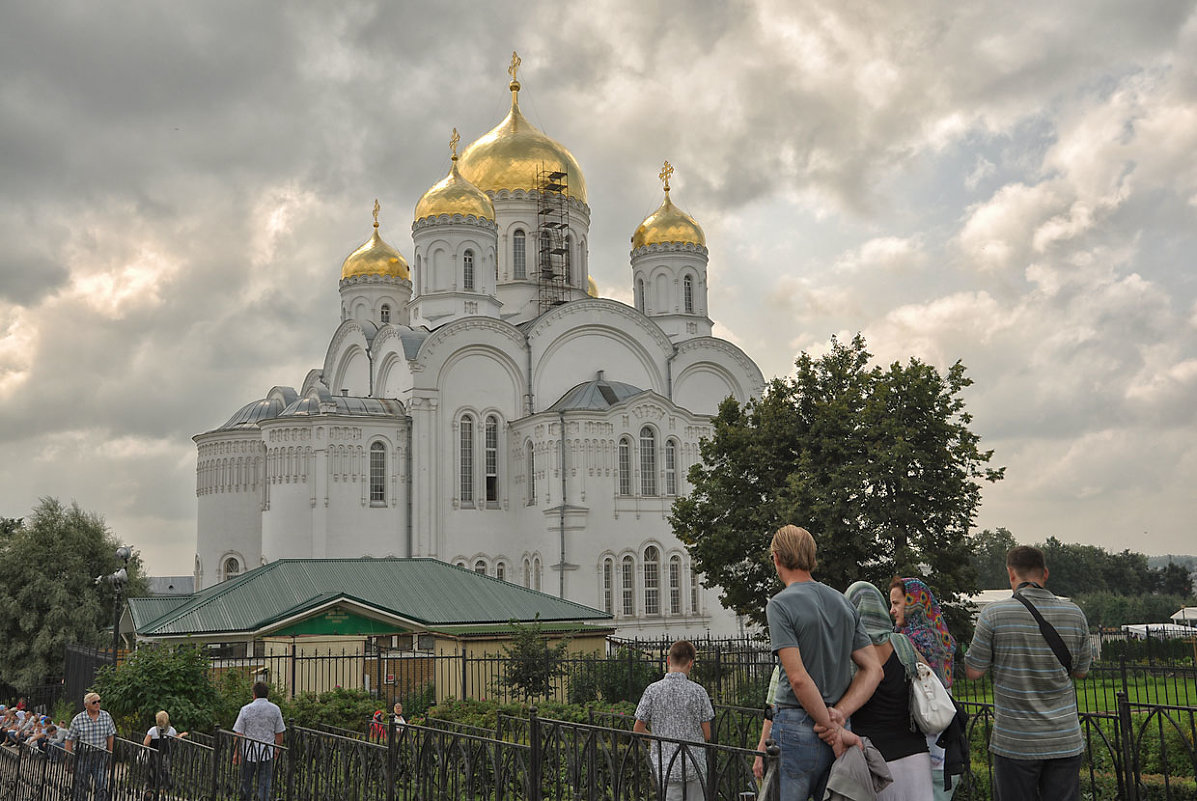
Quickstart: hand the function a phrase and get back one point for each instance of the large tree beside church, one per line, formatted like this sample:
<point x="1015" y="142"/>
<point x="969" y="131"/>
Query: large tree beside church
<point x="48" y="592"/>
<point x="879" y="463"/>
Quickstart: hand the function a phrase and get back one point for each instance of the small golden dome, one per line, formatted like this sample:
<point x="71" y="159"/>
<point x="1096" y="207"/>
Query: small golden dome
<point x="375" y="257"/>
<point x="512" y="153"/>
<point x="591" y="287"/>
<point x="668" y="224"/>
<point x="455" y="195"/>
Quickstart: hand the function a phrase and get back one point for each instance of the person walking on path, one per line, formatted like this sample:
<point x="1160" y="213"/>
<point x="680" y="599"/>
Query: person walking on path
<point x="259" y="722"/>
<point x="93" y="727"/>
<point x="679" y="709"/>
<point x="817" y="636"/>
<point x="1036" y="741"/>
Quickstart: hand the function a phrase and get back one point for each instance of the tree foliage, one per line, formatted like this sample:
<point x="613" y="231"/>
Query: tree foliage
<point x="532" y="664"/>
<point x="1108" y="610"/>
<point x="154" y="677"/>
<point x="878" y="463"/>
<point x="48" y="593"/>
<point x="988" y="553"/>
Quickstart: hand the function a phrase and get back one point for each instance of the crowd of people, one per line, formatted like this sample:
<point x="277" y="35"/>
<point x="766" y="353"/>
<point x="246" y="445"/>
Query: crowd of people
<point x="21" y="726"/>
<point x="839" y="703"/>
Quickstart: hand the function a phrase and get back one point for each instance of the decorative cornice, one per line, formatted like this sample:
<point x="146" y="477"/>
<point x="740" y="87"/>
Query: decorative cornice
<point x="531" y="194"/>
<point x="723" y="346"/>
<point x="455" y="219"/>
<point x="607" y="305"/>
<point x="375" y="279"/>
<point x="669" y="247"/>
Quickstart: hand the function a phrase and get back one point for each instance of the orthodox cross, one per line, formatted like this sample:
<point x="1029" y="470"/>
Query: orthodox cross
<point x="377" y="208"/>
<point x="515" y="65"/>
<point x="666" y="171"/>
<point x="453" y="140"/>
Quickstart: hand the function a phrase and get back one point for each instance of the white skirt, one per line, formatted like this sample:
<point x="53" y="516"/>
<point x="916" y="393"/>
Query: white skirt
<point x="912" y="779"/>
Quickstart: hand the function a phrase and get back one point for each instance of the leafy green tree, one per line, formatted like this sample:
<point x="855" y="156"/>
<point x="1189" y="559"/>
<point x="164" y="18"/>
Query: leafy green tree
<point x="988" y="554"/>
<point x="154" y="677"/>
<point x="48" y="591"/>
<point x="878" y="463"/>
<point x="1176" y="580"/>
<point x="532" y="664"/>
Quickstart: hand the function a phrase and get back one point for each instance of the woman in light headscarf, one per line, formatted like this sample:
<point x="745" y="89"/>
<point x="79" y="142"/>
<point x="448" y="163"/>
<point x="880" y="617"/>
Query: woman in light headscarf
<point x="885" y="718"/>
<point x="917" y="614"/>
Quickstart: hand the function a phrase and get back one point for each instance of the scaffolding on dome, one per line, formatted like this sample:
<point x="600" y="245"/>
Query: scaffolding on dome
<point x="553" y="245"/>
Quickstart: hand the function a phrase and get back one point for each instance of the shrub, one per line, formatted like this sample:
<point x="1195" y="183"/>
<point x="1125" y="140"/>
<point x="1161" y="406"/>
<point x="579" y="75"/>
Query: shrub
<point x="347" y="709"/>
<point x="154" y="677"/>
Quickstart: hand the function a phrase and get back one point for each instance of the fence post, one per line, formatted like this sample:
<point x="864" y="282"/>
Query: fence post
<point x="1130" y="773"/>
<point x="392" y="749"/>
<point x="463" y="673"/>
<point x="289" y="741"/>
<point x="719" y="672"/>
<point x="631" y="682"/>
<point x="534" y="766"/>
<point x="1122" y="665"/>
<point x="215" y="764"/>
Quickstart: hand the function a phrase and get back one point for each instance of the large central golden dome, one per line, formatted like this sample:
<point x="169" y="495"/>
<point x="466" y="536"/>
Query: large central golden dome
<point x="510" y="155"/>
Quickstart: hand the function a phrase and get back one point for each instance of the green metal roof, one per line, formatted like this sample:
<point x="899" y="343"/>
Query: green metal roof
<point x="425" y="591"/>
<point x="148" y="609"/>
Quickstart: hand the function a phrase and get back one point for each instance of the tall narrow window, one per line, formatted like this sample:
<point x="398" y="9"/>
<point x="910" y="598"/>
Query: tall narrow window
<point x="519" y="261"/>
<point x="569" y="260"/>
<point x="640" y="294"/>
<point x="652" y="581"/>
<point x="466" y="460"/>
<point x="492" y="459"/>
<point x="536" y="572"/>
<point x="609" y="586"/>
<point x="675" y="585"/>
<point x="530" y="469"/>
<point x="480" y="567"/>
<point x="545" y="265"/>
<point x="688" y="294"/>
<point x="648" y="461"/>
<point x="386" y="313"/>
<point x="527" y="573"/>
<point x="501" y="571"/>
<point x="670" y="467"/>
<point x="378" y="473"/>
<point x="628" y="580"/>
<point x="625" y="466"/>
<point x="693" y="589"/>
<point x="467" y="263"/>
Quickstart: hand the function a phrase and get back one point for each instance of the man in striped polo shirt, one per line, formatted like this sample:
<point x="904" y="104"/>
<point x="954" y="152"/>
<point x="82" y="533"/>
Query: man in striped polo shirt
<point x="1036" y="740"/>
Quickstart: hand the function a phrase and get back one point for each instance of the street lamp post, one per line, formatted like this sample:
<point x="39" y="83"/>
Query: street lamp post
<point x="118" y="579"/>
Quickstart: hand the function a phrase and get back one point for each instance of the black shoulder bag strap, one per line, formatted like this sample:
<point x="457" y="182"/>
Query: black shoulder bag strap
<point x="1049" y="633"/>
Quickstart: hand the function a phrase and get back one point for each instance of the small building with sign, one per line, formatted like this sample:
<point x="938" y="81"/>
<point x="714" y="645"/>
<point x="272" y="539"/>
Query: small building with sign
<point x="389" y="626"/>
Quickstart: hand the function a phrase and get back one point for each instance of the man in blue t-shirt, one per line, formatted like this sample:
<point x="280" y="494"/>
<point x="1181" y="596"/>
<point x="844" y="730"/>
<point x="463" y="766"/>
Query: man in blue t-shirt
<point x="817" y="635"/>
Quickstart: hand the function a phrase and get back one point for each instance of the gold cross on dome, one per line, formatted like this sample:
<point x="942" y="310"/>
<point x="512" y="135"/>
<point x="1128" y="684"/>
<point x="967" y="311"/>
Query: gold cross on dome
<point x="515" y="65"/>
<point x="453" y="140"/>
<point x="377" y="208"/>
<point x="666" y="171"/>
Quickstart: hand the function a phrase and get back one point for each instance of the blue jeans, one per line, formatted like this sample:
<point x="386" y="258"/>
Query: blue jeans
<point x="91" y="766"/>
<point x="805" y="759"/>
<point x="264" y="772"/>
<point x="1033" y="779"/>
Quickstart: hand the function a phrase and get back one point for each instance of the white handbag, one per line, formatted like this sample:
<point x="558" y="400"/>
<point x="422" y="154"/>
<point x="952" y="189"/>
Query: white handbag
<point x="930" y="705"/>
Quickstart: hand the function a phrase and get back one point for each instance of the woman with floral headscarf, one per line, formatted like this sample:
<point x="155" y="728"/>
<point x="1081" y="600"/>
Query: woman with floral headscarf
<point x="917" y="614"/>
<point x="885" y="717"/>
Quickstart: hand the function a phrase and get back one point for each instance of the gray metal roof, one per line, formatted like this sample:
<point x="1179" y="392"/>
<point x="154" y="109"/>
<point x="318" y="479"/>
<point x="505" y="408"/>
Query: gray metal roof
<point x="171" y="585"/>
<point x="412" y="339"/>
<point x="426" y="591"/>
<point x="595" y="395"/>
<point x="249" y="415"/>
<point x="344" y="406"/>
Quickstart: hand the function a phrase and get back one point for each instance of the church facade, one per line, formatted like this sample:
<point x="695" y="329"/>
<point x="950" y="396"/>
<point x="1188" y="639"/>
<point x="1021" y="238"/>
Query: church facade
<point x="482" y="405"/>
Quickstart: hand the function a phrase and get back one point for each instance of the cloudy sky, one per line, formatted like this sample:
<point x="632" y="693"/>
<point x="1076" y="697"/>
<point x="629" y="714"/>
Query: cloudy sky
<point x="179" y="183"/>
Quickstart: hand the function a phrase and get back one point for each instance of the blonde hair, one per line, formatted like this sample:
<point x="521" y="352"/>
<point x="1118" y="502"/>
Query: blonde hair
<point x="87" y="699"/>
<point x="163" y="721"/>
<point x="795" y="548"/>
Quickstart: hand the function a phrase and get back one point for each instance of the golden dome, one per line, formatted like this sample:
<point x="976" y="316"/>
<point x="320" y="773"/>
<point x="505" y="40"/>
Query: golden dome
<point x="375" y="257"/>
<point x="591" y="287"/>
<point x="668" y="224"/>
<point x="455" y="195"/>
<point x="511" y="154"/>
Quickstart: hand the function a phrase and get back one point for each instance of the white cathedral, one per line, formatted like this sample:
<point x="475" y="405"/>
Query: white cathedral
<point x="487" y="408"/>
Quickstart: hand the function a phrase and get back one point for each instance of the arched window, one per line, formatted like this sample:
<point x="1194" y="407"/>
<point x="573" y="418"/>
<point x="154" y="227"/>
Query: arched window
<point x="545" y="264"/>
<point x="536" y="572"/>
<point x="569" y="260"/>
<point x="527" y="572"/>
<point x="675" y="585"/>
<point x="530" y="459"/>
<point x="466" y="460"/>
<point x="492" y="459"/>
<point x="693" y="589"/>
<point x="467" y="263"/>
<point x="628" y="583"/>
<point x="386" y="313"/>
<point x="609" y="586"/>
<point x="519" y="263"/>
<point x="688" y="294"/>
<point x="670" y="467"/>
<point x="480" y="567"/>
<point x="652" y="581"/>
<point x="378" y="474"/>
<point x="640" y="294"/>
<point x="501" y="571"/>
<point x="460" y="564"/>
<point x="231" y="567"/>
<point x="648" y="461"/>
<point x="625" y="466"/>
